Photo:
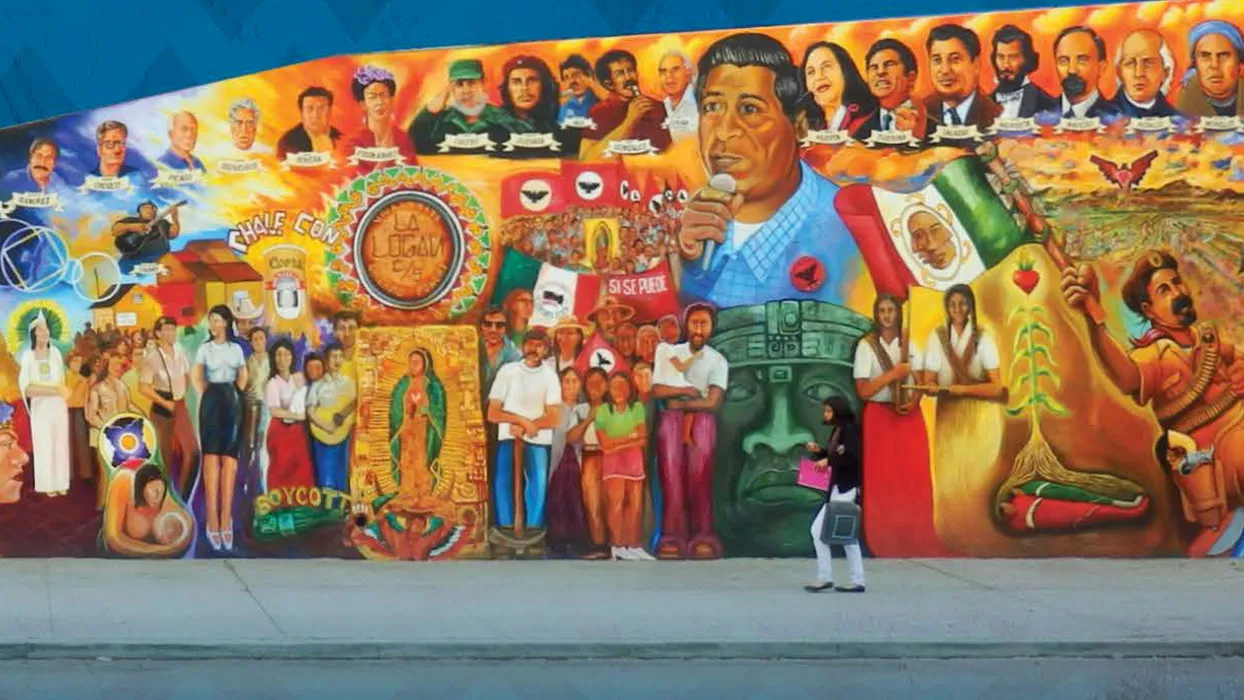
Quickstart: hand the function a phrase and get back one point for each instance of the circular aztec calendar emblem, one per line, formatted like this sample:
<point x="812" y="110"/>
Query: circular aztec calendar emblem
<point x="418" y="242"/>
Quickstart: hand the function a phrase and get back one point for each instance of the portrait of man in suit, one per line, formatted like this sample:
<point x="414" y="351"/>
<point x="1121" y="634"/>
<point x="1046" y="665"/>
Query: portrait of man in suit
<point x="1144" y="68"/>
<point x="890" y="70"/>
<point x="1014" y="58"/>
<point x="1080" y="57"/>
<point x="954" y="61"/>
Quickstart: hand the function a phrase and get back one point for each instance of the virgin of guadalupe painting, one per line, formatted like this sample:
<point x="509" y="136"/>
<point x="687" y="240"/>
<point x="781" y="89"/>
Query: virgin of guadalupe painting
<point x="417" y="486"/>
<point x="416" y="431"/>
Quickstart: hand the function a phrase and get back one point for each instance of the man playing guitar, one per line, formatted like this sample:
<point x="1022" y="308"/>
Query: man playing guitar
<point x="331" y="401"/>
<point x="145" y="238"/>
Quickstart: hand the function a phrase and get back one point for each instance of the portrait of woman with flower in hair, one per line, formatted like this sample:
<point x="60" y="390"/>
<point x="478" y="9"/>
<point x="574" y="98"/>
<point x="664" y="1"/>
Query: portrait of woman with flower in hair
<point x="379" y="140"/>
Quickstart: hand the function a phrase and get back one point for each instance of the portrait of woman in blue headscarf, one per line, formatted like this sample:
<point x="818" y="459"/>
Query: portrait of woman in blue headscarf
<point x="416" y="428"/>
<point x="1212" y="86"/>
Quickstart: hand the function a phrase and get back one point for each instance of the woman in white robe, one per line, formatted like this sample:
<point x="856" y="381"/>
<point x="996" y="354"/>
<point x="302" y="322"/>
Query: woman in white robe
<point x="42" y="381"/>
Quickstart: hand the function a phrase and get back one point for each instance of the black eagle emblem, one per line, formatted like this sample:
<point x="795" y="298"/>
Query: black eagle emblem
<point x="534" y="197"/>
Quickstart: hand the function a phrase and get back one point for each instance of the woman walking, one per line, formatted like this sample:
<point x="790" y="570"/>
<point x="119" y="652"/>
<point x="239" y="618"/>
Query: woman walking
<point x="841" y="455"/>
<point x="219" y="376"/>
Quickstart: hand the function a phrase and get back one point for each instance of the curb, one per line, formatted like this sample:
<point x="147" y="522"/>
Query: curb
<point x="370" y="650"/>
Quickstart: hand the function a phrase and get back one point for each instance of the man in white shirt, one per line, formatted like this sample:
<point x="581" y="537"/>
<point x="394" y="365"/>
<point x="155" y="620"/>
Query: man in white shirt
<point x="690" y="378"/>
<point x="525" y="402"/>
<point x="677" y="78"/>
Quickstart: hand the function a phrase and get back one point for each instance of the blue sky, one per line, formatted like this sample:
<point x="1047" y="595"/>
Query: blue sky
<point x="71" y="55"/>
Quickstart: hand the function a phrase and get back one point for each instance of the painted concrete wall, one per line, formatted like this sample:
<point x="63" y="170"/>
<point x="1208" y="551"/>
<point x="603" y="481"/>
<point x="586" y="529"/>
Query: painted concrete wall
<point x="590" y="298"/>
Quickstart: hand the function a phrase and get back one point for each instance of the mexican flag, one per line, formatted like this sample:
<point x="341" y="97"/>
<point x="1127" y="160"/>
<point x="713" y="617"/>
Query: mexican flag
<point x="518" y="271"/>
<point x="559" y="292"/>
<point x="948" y="233"/>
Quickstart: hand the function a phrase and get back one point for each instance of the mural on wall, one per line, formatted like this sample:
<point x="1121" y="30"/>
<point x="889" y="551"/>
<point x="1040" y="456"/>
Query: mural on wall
<point x="586" y="298"/>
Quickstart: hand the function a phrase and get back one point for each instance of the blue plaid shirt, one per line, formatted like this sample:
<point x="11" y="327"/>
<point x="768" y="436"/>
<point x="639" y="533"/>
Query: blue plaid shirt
<point x="760" y="269"/>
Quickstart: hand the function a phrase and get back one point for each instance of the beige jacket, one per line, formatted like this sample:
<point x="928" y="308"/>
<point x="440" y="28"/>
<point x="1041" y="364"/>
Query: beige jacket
<point x="1192" y="101"/>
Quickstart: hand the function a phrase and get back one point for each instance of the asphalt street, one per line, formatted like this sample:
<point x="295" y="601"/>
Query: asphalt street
<point x="1035" y="679"/>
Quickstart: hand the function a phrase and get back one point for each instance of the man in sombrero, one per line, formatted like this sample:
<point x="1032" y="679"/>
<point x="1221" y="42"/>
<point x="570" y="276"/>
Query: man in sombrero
<point x="599" y="350"/>
<point x="246" y="316"/>
<point x="568" y="335"/>
<point x="610" y="313"/>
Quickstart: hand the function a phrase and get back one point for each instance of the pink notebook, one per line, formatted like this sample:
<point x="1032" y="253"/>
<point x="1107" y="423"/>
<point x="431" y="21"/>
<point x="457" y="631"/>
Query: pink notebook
<point x="812" y="477"/>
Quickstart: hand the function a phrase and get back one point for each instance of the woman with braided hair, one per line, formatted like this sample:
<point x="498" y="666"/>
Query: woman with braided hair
<point x="898" y="500"/>
<point x="961" y="367"/>
<point x="961" y="358"/>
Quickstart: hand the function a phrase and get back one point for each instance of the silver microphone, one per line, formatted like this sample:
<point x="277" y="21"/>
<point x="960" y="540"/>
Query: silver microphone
<point x="724" y="183"/>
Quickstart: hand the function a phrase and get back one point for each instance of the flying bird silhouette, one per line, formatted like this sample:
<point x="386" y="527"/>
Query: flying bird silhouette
<point x="588" y="187"/>
<point x="603" y="360"/>
<point x="535" y="197"/>
<point x="1125" y="177"/>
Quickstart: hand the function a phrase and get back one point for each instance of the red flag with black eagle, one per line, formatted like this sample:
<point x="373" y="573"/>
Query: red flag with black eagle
<point x="531" y="193"/>
<point x="593" y="184"/>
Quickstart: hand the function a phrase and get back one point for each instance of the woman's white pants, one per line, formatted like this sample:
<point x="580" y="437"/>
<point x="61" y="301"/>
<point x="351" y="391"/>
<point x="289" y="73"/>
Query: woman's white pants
<point x="824" y="558"/>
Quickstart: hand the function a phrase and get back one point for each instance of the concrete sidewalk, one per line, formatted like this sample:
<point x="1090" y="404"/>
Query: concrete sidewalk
<point x="559" y="609"/>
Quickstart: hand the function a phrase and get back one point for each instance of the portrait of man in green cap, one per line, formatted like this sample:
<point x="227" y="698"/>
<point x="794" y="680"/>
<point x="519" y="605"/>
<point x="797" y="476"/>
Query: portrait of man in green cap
<point x="459" y="118"/>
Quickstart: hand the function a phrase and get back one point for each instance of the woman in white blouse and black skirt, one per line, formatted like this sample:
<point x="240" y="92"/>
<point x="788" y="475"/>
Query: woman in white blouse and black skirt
<point x="219" y="375"/>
